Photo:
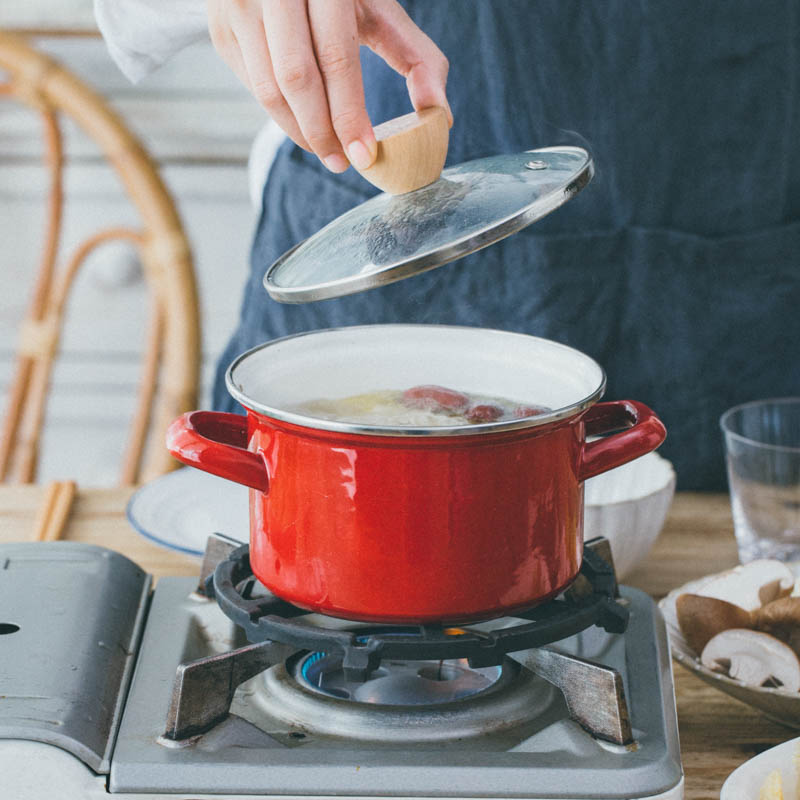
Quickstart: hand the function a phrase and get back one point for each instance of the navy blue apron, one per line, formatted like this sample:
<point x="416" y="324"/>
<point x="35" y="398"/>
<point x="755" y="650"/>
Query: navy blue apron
<point x="677" y="269"/>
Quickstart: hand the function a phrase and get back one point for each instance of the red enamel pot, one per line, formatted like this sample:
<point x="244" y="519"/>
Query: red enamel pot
<point x="402" y="525"/>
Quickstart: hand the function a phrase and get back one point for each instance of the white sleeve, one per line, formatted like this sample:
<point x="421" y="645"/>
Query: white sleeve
<point x="142" y="34"/>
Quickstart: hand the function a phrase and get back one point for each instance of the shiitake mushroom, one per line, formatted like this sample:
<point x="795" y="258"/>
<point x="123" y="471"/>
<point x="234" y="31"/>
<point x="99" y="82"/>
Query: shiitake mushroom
<point x="702" y="618"/>
<point x="781" y="619"/>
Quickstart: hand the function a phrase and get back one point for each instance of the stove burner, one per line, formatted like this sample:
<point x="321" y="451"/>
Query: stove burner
<point x="510" y="700"/>
<point x="408" y="683"/>
<point x="591" y="600"/>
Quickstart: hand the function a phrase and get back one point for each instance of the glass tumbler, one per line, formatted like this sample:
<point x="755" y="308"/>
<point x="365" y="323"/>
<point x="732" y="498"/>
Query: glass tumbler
<point x="762" y="445"/>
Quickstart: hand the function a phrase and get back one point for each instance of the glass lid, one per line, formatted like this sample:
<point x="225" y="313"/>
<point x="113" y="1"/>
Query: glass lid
<point x="391" y="237"/>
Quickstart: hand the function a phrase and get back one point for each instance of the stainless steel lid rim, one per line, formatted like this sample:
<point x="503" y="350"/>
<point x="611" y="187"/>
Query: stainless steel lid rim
<point x="390" y="273"/>
<point x="274" y="412"/>
<point x="398" y="221"/>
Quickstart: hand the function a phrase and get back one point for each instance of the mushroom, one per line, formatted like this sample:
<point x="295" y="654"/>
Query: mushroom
<point x="781" y="619"/>
<point x="702" y="618"/>
<point x="754" y="658"/>
<point x="752" y="585"/>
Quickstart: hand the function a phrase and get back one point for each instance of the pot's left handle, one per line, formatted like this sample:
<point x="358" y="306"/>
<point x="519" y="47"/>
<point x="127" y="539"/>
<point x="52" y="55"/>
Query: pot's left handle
<point x="217" y="443"/>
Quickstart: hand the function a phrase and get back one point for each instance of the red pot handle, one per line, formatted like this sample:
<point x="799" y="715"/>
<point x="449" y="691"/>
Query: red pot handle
<point x="217" y="443"/>
<point x="644" y="433"/>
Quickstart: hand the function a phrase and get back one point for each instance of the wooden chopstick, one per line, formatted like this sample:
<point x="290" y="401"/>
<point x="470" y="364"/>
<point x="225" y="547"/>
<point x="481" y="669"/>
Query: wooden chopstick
<point x="54" y="511"/>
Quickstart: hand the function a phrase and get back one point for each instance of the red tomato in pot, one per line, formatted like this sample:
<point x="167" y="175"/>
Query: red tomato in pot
<point x="484" y="412"/>
<point x="435" y="398"/>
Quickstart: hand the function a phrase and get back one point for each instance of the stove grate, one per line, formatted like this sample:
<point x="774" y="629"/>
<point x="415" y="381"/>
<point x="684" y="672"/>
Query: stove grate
<point x="590" y="600"/>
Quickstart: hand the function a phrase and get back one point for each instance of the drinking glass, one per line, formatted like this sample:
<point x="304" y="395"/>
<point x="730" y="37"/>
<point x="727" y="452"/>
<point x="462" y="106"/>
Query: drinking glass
<point x="762" y="444"/>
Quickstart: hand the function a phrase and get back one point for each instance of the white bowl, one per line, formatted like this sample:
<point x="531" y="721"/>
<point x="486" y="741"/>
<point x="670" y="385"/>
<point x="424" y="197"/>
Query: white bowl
<point x="628" y="506"/>
<point x="745" y="782"/>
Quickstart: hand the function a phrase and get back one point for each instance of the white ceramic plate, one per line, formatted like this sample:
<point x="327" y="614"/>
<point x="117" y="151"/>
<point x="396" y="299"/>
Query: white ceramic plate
<point x="777" y="704"/>
<point x="181" y="509"/>
<point x="745" y="782"/>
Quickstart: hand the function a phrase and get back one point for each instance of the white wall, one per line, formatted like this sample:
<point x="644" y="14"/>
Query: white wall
<point x="198" y="123"/>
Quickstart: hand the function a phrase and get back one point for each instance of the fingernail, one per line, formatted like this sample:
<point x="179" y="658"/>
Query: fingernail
<point x="360" y="155"/>
<point x="335" y="162"/>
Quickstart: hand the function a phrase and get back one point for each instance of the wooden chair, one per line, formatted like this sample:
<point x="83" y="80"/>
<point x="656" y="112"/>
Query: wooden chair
<point x="172" y="352"/>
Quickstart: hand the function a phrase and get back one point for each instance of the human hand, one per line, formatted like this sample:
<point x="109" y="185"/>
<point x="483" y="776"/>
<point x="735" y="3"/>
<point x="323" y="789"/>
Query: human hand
<point x="299" y="58"/>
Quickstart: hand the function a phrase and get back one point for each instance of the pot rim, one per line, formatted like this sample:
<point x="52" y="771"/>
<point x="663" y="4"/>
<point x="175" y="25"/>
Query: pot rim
<point x="438" y="431"/>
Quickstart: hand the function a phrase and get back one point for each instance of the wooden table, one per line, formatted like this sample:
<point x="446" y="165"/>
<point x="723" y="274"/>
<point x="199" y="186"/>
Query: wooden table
<point x="717" y="733"/>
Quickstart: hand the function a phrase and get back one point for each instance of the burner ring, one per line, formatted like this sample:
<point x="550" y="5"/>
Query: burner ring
<point x="517" y="700"/>
<point x="396" y="682"/>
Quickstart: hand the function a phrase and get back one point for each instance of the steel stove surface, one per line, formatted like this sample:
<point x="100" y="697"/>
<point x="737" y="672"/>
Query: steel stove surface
<point x="84" y="615"/>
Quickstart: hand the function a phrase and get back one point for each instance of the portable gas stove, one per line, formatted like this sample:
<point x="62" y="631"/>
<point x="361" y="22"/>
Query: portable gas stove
<point x="107" y="686"/>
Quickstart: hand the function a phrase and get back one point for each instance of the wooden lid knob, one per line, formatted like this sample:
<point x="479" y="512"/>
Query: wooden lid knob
<point x="411" y="151"/>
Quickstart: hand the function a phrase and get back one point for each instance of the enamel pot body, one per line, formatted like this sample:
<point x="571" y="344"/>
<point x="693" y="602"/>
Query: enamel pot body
<point x="415" y="525"/>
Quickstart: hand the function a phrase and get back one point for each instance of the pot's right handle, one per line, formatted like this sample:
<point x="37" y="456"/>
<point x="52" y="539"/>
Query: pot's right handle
<point x="644" y="433"/>
<point x="217" y="443"/>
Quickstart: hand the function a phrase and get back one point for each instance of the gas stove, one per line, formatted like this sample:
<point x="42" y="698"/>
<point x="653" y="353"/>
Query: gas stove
<point x="201" y="689"/>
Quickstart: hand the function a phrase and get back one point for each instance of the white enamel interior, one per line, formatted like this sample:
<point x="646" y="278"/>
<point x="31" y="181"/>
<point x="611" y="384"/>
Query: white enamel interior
<point x="341" y="362"/>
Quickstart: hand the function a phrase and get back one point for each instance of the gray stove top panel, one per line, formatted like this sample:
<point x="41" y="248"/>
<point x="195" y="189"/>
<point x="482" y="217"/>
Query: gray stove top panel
<point x="550" y="759"/>
<point x="71" y="617"/>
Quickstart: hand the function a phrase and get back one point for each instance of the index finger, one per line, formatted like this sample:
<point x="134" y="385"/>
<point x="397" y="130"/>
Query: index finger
<point x="297" y="74"/>
<point x="335" y="36"/>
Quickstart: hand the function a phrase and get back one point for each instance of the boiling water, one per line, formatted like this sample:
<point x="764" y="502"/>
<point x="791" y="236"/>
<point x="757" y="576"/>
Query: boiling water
<point x="419" y="407"/>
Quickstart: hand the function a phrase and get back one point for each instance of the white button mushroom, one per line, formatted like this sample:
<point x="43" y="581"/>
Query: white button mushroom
<point x="752" y="585"/>
<point x="754" y="658"/>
